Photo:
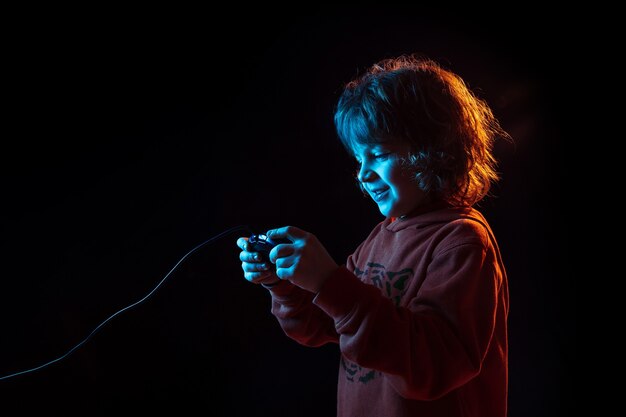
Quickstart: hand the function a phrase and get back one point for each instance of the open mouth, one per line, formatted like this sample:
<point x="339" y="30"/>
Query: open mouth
<point x="379" y="194"/>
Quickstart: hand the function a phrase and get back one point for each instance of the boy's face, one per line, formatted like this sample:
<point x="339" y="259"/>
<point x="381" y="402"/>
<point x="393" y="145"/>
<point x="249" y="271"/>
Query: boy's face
<point x="382" y="176"/>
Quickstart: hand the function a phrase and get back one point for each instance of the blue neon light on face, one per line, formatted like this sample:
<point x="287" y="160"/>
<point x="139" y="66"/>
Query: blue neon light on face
<point x="385" y="180"/>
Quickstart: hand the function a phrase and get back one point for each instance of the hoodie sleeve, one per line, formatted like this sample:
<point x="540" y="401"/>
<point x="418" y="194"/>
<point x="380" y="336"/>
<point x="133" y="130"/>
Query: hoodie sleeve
<point x="299" y="318"/>
<point x="436" y="342"/>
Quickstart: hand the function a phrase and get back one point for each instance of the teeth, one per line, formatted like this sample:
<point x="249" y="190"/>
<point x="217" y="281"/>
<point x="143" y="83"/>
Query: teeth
<point x="377" y="193"/>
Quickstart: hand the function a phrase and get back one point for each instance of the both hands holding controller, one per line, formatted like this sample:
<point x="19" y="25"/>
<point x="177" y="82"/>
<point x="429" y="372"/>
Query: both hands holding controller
<point x="297" y="255"/>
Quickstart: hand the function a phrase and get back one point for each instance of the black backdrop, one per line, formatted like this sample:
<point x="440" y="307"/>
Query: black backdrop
<point x="126" y="145"/>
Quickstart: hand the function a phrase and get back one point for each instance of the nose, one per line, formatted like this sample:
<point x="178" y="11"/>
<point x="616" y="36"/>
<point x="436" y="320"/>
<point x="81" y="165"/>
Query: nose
<point x="365" y="173"/>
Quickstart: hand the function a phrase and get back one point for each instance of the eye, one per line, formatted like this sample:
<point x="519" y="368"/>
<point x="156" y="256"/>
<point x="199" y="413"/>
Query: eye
<point x="382" y="156"/>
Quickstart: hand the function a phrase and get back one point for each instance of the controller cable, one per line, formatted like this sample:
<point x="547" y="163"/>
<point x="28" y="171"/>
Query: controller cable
<point x="206" y="242"/>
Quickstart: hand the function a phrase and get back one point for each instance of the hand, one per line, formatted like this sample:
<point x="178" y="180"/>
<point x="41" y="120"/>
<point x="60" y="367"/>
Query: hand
<point x="254" y="268"/>
<point x="305" y="262"/>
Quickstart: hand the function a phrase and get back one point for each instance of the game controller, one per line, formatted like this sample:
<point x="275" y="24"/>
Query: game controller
<point x="263" y="245"/>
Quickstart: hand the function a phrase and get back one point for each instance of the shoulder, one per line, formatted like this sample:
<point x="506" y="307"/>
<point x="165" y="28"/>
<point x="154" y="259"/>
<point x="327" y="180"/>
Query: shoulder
<point x="469" y="228"/>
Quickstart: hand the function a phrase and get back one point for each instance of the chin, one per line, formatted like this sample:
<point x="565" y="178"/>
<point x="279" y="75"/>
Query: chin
<point x="387" y="212"/>
<point x="394" y="211"/>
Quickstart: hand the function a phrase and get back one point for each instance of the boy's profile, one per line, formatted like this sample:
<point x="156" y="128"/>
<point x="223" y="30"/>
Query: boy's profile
<point x="419" y="309"/>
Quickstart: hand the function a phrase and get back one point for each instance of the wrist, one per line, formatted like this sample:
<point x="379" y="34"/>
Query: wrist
<point x="269" y="285"/>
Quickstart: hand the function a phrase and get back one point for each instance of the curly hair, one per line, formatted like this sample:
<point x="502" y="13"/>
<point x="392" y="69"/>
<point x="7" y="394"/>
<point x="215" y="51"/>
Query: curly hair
<point x="451" y="131"/>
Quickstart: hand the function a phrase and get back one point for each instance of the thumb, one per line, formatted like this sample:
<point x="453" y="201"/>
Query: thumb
<point x="289" y="232"/>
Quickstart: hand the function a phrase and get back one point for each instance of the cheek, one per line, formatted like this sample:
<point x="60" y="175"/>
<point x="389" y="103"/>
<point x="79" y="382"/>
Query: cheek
<point x="400" y="178"/>
<point x="406" y="188"/>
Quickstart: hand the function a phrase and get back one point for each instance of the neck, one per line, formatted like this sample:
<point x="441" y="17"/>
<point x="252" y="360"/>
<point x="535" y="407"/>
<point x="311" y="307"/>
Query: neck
<point x="423" y="208"/>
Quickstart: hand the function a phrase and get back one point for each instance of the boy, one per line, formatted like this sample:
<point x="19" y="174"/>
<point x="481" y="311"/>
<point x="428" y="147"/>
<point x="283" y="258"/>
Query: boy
<point x="419" y="310"/>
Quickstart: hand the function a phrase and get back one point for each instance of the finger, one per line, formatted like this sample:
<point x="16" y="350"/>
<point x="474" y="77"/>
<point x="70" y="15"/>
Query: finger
<point x="289" y="232"/>
<point x="245" y="256"/>
<point x="254" y="273"/>
<point x="242" y="242"/>
<point x="286" y="262"/>
<point x="258" y="277"/>
<point x="286" y="272"/>
<point x="286" y="267"/>
<point x="280" y="251"/>
<point x="255" y="266"/>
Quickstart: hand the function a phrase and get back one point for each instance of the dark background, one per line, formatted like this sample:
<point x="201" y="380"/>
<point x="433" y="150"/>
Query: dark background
<point x="126" y="144"/>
